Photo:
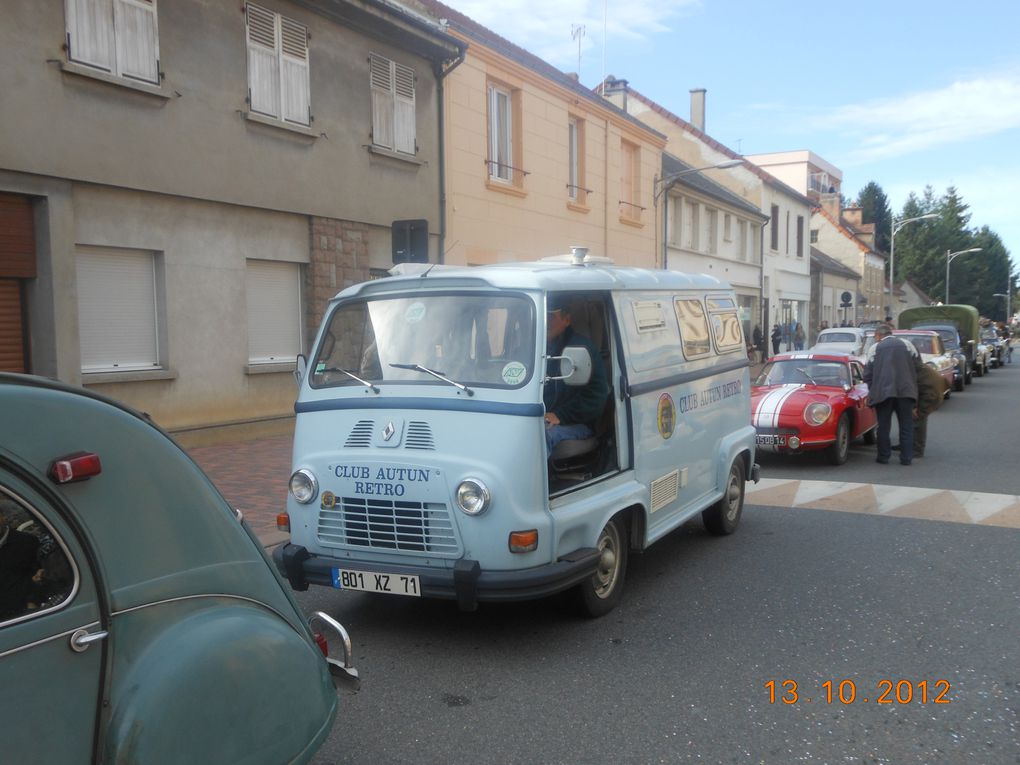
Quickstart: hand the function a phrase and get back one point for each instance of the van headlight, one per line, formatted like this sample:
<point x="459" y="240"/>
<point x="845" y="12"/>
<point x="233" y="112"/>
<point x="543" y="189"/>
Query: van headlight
<point x="817" y="413"/>
<point x="303" y="486"/>
<point x="473" y="496"/>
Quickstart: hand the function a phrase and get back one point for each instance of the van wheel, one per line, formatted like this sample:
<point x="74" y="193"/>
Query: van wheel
<point x="841" y="446"/>
<point x="722" y="517"/>
<point x="599" y="595"/>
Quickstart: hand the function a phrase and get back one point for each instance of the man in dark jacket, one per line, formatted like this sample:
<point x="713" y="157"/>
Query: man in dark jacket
<point x="570" y="411"/>
<point x="892" y="387"/>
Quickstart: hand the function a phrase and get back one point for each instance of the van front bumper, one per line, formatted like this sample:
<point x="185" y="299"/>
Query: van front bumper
<point x="466" y="582"/>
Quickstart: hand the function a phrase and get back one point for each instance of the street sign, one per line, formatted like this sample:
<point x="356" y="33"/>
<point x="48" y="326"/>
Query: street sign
<point x="846" y="297"/>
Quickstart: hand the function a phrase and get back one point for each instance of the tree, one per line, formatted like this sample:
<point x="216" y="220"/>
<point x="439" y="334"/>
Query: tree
<point x="875" y="209"/>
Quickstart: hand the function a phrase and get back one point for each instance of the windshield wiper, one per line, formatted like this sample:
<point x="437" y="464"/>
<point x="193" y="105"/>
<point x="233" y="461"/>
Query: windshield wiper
<point x="437" y="375"/>
<point x="353" y="376"/>
<point x="805" y="373"/>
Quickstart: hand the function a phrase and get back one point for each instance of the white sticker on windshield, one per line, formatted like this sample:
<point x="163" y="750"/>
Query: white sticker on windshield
<point x="414" y="313"/>
<point x="514" y="373"/>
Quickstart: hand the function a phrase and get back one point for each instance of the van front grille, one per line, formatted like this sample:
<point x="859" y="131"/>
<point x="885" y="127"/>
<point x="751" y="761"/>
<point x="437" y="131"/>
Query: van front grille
<point x="360" y="436"/>
<point x="384" y="524"/>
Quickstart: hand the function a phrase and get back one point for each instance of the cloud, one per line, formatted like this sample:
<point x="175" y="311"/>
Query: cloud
<point x="545" y="28"/>
<point x="964" y="111"/>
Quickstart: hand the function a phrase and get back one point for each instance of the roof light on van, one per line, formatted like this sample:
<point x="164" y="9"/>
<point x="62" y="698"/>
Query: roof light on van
<point x="303" y="486"/>
<point x="75" y="467"/>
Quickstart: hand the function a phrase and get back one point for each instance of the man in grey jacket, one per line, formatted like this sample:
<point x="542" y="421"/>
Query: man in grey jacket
<point x="892" y="387"/>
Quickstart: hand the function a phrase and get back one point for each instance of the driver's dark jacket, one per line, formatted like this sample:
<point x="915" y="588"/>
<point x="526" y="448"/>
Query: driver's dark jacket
<point x="580" y="405"/>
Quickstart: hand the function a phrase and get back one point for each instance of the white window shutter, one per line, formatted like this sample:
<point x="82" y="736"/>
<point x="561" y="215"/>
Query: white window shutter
<point x="274" y="311"/>
<point x="90" y="32"/>
<point x="404" y="132"/>
<point x="294" y="72"/>
<point x="263" y="63"/>
<point x="381" y="77"/>
<point x="116" y="310"/>
<point x="134" y="24"/>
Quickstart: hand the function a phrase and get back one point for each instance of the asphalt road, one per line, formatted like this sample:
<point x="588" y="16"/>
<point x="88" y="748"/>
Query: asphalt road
<point x="679" y="671"/>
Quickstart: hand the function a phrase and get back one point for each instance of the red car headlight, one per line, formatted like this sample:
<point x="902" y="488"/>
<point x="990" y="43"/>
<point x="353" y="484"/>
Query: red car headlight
<point x="817" y="413"/>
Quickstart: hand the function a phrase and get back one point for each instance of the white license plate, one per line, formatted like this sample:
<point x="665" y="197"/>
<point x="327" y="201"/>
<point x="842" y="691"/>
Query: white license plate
<point x="770" y="440"/>
<point x="369" y="581"/>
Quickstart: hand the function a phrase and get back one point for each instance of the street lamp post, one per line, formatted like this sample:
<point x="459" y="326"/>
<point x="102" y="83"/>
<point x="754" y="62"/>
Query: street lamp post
<point x="662" y="185"/>
<point x="950" y="257"/>
<point x="1007" y="296"/>
<point x="896" y="226"/>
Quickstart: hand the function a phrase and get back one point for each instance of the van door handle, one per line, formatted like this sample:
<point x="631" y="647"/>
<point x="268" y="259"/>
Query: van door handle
<point x="82" y="639"/>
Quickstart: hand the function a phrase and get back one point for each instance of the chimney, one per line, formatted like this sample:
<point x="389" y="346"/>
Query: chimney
<point x="698" y="108"/>
<point x="831" y="204"/>
<point x="615" y="90"/>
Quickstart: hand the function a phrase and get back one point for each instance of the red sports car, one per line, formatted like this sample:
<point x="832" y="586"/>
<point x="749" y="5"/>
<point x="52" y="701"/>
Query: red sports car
<point x="808" y="401"/>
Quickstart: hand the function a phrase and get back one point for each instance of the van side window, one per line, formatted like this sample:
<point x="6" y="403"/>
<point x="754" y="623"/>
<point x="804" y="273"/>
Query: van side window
<point x="35" y="572"/>
<point x="728" y="335"/>
<point x="693" y="328"/>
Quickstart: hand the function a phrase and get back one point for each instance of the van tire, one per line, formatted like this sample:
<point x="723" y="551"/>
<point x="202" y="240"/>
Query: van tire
<point x="598" y="595"/>
<point x="723" y="517"/>
<point x="840" y="448"/>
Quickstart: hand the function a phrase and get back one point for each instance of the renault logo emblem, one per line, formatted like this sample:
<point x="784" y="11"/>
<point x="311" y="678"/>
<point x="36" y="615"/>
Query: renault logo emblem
<point x="388" y="431"/>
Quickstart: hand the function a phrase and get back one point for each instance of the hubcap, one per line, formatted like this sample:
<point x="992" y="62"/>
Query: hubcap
<point x="732" y="498"/>
<point x="608" y="568"/>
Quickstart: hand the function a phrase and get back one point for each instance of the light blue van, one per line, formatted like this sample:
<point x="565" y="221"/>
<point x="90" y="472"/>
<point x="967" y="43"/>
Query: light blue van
<point x="420" y="460"/>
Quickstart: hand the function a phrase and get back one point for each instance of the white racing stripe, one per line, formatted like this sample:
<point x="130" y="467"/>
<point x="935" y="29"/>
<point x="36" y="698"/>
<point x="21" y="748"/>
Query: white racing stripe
<point x="766" y="414"/>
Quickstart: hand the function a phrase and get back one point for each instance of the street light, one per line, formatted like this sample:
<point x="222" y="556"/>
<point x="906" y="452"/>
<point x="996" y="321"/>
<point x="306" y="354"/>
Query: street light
<point x="896" y="226"/>
<point x="666" y="181"/>
<point x="949" y="259"/>
<point x="1007" y="296"/>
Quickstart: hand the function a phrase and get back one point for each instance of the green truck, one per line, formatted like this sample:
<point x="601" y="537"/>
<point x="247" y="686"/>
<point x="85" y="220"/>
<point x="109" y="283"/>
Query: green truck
<point x="960" y="330"/>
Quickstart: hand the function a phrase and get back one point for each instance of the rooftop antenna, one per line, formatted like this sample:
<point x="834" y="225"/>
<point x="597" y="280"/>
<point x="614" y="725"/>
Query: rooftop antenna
<point x="605" y="41"/>
<point x="576" y="33"/>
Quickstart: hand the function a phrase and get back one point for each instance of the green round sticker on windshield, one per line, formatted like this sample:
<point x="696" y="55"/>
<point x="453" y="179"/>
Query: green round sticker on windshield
<point x="414" y="313"/>
<point x="514" y="373"/>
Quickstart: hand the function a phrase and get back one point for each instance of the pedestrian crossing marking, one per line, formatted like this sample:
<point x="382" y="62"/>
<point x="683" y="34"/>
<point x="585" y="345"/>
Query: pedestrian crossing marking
<point x="899" y="501"/>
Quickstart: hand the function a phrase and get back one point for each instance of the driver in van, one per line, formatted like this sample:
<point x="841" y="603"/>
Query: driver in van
<point x="570" y="411"/>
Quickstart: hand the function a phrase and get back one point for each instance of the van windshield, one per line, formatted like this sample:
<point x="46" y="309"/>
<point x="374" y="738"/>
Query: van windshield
<point x="477" y="340"/>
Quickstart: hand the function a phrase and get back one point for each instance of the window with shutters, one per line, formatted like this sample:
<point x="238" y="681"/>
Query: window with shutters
<point x="278" y="71"/>
<point x="576" y="191"/>
<point x="630" y="182"/>
<point x="774" y="228"/>
<point x="691" y="226"/>
<point x="273" y="294"/>
<point x="501" y="134"/>
<point x="115" y="36"/>
<point x="393" y="112"/>
<point x="118" y="310"/>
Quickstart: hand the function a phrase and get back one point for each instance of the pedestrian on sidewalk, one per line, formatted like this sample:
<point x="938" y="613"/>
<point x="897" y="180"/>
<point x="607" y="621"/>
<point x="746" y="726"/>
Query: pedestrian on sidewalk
<point x="777" y="336"/>
<point x="798" y="338"/>
<point x="757" y="339"/>
<point x="891" y="376"/>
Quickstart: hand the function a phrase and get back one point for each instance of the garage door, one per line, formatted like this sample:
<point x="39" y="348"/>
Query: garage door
<point x="17" y="263"/>
<point x="12" y="330"/>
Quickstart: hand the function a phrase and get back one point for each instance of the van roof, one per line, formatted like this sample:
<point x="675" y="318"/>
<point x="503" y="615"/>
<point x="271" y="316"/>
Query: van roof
<point x="548" y="276"/>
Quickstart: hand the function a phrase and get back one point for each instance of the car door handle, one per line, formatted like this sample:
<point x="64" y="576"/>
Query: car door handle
<point x="82" y="639"/>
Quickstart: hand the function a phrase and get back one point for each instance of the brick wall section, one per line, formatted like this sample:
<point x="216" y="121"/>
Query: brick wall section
<point x="338" y="251"/>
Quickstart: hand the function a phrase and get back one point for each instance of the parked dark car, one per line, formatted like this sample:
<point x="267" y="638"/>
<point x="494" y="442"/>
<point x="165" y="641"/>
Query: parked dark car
<point x="996" y="345"/>
<point x="140" y="619"/>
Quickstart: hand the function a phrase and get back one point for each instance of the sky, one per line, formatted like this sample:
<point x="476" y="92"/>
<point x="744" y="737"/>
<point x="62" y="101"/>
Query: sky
<point x="903" y="93"/>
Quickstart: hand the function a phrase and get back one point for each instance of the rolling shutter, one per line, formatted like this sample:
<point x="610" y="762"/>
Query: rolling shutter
<point x="274" y="311"/>
<point x="12" y="331"/>
<point x="116" y="310"/>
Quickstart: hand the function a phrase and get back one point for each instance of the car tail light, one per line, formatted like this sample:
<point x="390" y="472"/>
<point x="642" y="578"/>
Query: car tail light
<point x="320" y="640"/>
<point x="79" y="466"/>
<point x="283" y="522"/>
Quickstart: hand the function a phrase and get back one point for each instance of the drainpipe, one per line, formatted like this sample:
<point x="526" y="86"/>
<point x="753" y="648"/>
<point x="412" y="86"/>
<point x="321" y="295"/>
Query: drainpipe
<point x="441" y="74"/>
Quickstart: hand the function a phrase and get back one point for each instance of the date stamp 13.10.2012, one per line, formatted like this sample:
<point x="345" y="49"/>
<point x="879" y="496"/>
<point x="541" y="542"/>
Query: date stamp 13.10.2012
<point x="846" y="691"/>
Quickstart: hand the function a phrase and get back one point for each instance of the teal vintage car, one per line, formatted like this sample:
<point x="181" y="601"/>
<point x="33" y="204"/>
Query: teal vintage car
<point x="140" y="619"/>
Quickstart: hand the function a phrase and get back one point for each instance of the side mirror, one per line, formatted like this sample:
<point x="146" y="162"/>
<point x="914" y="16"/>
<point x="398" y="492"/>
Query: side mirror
<point x="580" y="365"/>
<point x="301" y="368"/>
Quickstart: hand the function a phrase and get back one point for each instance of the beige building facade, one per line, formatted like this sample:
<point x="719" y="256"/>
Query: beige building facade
<point x="536" y="163"/>
<point x="837" y="240"/>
